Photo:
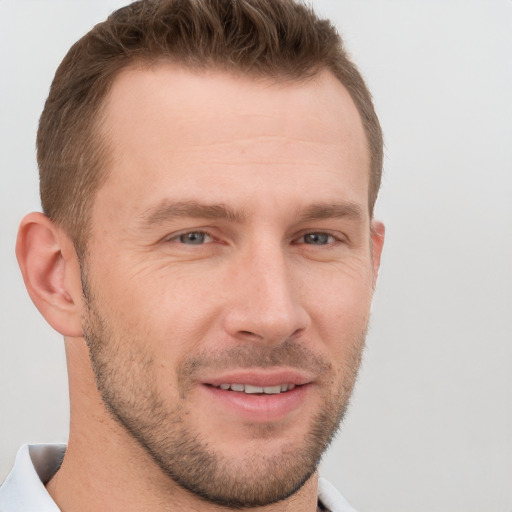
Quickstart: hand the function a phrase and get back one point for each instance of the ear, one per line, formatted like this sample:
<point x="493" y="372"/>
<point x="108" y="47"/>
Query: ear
<point x="377" y="234"/>
<point x="49" y="264"/>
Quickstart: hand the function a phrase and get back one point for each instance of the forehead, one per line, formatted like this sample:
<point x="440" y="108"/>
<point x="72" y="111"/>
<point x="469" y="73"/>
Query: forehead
<point x="170" y="126"/>
<point x="194" y="97"/>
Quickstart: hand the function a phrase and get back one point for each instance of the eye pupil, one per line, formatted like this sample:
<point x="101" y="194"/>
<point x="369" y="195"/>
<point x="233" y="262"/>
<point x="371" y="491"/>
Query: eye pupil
<point x="316" y="238"/>
<point x="194" y="238"/>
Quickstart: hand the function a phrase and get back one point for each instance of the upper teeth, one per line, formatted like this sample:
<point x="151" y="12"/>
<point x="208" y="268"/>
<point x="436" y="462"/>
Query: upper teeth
<point x="248" y="388"/>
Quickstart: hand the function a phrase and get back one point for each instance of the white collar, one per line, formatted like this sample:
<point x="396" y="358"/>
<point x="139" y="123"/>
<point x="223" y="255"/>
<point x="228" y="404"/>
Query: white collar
<point x="331" y="498"/>
<point x="23" y="489"/>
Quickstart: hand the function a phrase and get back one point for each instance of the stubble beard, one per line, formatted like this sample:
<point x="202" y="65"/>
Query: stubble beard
<point x="127" y="382"/>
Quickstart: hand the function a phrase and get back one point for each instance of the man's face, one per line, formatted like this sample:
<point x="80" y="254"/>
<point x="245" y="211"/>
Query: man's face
<point x="229" y="275"/>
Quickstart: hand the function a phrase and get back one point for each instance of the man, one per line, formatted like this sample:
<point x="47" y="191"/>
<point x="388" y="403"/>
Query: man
<point x="208" y="174"/>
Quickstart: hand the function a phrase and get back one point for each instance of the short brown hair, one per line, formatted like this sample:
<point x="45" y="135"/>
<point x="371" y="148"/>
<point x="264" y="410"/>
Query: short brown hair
<point x="274" y="38"/>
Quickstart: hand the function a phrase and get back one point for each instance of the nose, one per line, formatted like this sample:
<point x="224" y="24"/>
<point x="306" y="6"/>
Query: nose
<point x="265" y="305"/>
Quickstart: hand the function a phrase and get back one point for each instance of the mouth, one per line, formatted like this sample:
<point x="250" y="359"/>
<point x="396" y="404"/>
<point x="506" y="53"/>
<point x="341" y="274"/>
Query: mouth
<point x="258" y="396"/>
<point x="250" y="389"/>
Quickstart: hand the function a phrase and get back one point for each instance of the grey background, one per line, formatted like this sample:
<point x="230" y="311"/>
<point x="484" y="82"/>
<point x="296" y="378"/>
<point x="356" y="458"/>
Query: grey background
<point x="430" y="427"/>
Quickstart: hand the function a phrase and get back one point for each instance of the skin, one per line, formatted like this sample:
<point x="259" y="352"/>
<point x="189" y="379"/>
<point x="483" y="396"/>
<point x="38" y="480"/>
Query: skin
<point x="278" y="287"/>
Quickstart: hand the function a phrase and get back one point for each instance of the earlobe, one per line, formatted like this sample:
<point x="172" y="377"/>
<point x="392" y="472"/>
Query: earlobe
<point x="51" y="272"/>
<point x="377" y="234"/>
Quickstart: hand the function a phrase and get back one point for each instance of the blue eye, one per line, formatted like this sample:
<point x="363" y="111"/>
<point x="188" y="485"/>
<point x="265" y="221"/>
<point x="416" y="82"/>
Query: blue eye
<point x="317" y="238"/>
<point x="194" y="238"/>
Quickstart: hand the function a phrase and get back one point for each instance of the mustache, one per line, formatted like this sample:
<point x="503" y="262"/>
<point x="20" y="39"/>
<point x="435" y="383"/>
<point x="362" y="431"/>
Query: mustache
<point x="290" y="353"/>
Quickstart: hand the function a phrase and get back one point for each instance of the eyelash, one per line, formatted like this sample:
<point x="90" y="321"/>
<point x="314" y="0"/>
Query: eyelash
<point x="181" y="236"/>
<point x="319" y="235"/>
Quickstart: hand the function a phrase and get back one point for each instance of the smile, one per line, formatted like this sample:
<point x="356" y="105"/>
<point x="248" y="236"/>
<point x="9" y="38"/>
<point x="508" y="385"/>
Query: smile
<point x="251" y="390"/>
<point x="257" y="398"/>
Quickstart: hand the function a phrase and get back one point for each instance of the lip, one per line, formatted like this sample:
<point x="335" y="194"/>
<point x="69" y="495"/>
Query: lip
<point x="257" y="408"/>
<point x="260" y="378"/>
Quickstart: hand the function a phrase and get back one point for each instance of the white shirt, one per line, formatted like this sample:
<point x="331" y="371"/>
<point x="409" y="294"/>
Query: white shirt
<point x="24" y="488"/>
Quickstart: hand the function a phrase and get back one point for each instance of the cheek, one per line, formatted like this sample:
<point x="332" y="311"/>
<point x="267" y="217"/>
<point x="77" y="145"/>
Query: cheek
<point x="166" y="309"/>
<point x="340" y="293"/>
<point x="339" y="310"/>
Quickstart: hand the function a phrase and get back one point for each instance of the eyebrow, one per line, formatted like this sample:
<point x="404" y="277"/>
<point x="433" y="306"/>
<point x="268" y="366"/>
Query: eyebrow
<point x="349" y="210"/>
<point x="168" y="210"/>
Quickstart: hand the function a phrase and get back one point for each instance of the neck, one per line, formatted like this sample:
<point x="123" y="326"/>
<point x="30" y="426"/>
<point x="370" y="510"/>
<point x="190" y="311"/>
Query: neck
<point x="105" y="468"/>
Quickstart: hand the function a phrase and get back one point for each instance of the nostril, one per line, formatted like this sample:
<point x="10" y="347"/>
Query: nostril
<point x="248" y="333"/>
